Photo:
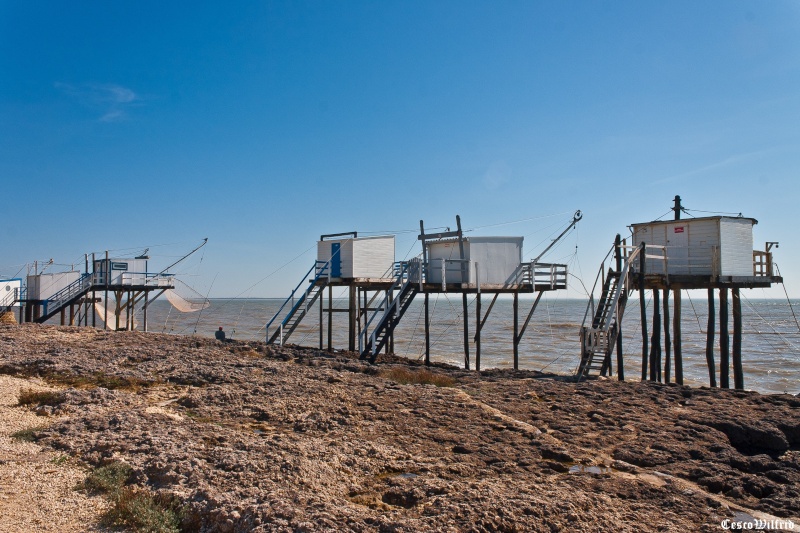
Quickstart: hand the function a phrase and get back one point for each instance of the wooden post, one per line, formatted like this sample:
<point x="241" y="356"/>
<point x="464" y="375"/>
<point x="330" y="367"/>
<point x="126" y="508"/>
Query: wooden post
<point x="655" y="353"/>
<point x="466" y="330"/>
<point x="63" y="319"/>
<point x="427" y="333"/>
<point x="389" y="346"/>
<point x="516" y="331"/>
<point x="676" y="331"/>
<point x="94" y="293"/>
<point x="643" y="310"/>
<point x="667" y="339"/>
<point x="321" y="319"/>
<point x="724" y="340"/>
<point x="330" y="317"/>
<point x="353" y="303"/>
<point x="620" y="362"/>
<point x="144" y="311"/>
<point x="107" y="273"/>
<point x="738" y="373"/>
<point x="712" y="373"/>
<point x="478" y="332"/>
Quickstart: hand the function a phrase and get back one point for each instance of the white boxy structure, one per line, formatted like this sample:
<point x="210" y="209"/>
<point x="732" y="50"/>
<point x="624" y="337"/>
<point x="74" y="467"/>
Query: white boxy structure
<point x="44" y="286"/>
<point x="498" y="260"/>
<point x="712" y="246"/>
<point x="121" y="271"/>
<point x="358" y="257"/>
<point x="10" y="292"/>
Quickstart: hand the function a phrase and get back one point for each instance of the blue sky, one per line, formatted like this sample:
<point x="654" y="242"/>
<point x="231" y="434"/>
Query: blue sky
<point x="262" y="125"/>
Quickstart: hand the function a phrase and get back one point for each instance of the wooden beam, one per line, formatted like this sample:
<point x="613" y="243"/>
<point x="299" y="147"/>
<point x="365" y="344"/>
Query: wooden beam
<point x="352" y="306"/>
<point x="738" y="373"/>
<point x="676" y="331"/>
<point x="667" y="338"/>
<point x="427" y="332"/>
<point x="712" y="372"/>
<point x="466" y="330"/>
<point x="618" y="260"/>
<point x="478" y="332"/>
<point x="655" y="353"/>
<point x="516" y="331"/>
<point x="330" y="318"/>
<point x="724" y="341"/>
<point x="643" y="311"/>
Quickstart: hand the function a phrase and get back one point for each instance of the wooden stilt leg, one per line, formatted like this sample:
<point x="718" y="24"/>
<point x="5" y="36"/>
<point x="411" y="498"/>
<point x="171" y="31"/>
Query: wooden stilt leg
<point x="738" y="373"/>
<point x="712" y="371"/>
<point x="724" y="341"/>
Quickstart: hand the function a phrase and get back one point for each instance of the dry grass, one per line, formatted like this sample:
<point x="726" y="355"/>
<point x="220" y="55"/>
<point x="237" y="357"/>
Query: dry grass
<point x="109" y="479"/>
<point x="34" y="397"/>
<point x="99" y="379"/>
<point x="406" y="376"/>
<point x="141" y="510"/>
<point x="26" y="435"/>
<point x="135" y="508"/>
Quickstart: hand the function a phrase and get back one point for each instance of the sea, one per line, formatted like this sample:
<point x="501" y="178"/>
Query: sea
<point x="770" y="340"/>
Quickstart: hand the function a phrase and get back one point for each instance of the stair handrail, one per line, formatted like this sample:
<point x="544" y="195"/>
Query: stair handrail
<point x="78" y="286"/>
<point x="600" y="272"/>
<point x="622" y="284"/>
<point x="320" y="272"/>
<point x="401" y="280"/>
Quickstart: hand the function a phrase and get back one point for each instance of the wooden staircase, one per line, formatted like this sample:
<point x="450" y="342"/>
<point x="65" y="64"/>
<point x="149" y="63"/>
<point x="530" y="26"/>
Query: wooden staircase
<point x="394" y="307"/>
<point x="300" y="304"/>
<point x="600" y="337"/>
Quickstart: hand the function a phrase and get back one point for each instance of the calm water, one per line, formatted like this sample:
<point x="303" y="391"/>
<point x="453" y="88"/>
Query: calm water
<point x="770" y="344"/>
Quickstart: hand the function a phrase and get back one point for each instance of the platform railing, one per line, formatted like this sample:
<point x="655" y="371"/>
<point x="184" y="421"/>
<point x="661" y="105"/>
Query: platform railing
<point x="320" y="269"/>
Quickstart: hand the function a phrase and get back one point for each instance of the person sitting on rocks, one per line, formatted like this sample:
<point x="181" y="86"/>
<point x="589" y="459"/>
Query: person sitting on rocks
<point x="220" y="335"/>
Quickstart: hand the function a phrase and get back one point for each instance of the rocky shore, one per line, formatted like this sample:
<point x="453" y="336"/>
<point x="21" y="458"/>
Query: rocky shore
<point x="255" y="438"/>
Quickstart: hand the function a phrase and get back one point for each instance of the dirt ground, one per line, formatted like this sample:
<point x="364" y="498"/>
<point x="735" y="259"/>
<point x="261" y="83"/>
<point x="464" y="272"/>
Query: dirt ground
<point x="255" y="438"/>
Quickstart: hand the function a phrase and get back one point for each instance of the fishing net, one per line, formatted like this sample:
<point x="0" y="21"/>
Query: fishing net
<point x="185" y="299"/>
<point x="106" y="311"/>
<point x="184" y="305"/>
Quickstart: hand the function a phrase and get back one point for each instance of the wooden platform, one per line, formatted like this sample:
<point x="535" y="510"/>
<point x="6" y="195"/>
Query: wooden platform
<point x="676" y="281"/>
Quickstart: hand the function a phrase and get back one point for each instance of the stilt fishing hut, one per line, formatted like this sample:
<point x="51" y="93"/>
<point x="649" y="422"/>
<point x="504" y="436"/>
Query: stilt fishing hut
<point x="111" y="287"/>
<point x="381" y="290"/>
<point x="712" y="253"/>
<point x="10" y="297"/>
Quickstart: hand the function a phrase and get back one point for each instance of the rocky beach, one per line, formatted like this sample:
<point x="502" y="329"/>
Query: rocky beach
<point x="240" y="436"/>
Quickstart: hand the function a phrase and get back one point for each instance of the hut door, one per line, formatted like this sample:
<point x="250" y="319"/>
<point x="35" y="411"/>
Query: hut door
<point x="678" y="248"/>
<point x="336" y="260"/>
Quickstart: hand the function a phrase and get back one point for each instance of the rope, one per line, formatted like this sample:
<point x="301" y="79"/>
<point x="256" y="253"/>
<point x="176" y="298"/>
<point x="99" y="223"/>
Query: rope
<point x="695" y="312"/>
<point x="787" y="296"/>
<point x="752" y="308"/>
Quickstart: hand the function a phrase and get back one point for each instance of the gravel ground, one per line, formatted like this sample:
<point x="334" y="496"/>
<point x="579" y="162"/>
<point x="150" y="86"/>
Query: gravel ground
<point x="37" y="485"/>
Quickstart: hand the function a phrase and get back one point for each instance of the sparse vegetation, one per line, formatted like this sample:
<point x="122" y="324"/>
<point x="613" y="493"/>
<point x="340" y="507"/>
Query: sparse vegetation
<point x="133" y="507"/>
<point x="44" y="397"/>
<point x="99" y="379"/>
<point x="406" y="376"/>
<point x="144" y="511"/>
<point x="109" y="479"/>
<point x="25" y="435"/>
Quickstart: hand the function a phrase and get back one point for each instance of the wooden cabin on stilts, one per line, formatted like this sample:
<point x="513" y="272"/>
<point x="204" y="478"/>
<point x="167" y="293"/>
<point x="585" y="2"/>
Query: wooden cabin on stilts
<point x="381" y="290"/>
<point x="713" y="253"/>
<point x="111" y="291"/>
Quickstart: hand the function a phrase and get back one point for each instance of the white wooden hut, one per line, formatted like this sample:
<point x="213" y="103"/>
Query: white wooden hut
<point x="121" y="271"/>
<point x="492" y="260"/>
<point x="10" y="293"/>
<point x="44" y="286"/>
<point x="358" y="257"/>
<point x="707" y="246"/>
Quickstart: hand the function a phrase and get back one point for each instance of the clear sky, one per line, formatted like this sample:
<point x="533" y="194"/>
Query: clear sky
<point x="261" y="125"/>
